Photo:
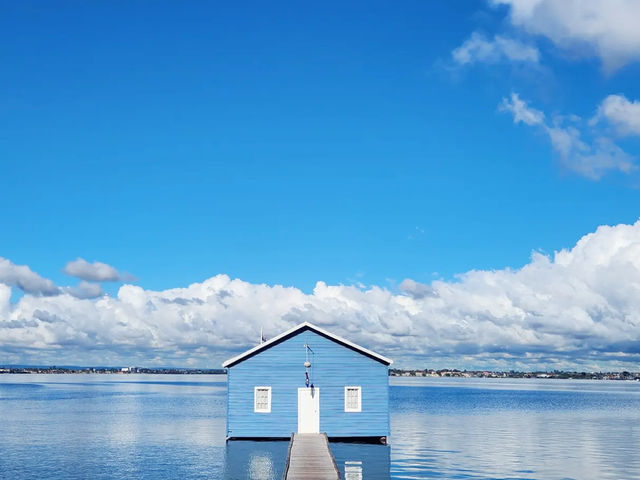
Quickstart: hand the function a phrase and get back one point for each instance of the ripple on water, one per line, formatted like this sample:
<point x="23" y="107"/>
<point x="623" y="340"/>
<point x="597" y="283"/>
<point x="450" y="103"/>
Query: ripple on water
<point x="154" y="427"/>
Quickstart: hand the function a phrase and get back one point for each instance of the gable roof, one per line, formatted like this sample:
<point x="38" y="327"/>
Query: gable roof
<point x="294" y="331"/>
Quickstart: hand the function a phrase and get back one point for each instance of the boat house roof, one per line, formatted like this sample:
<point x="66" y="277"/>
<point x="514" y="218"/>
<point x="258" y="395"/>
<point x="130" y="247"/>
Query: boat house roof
<point x="294" y="331"/>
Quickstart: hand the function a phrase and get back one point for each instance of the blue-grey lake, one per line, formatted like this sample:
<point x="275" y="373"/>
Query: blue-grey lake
<point x="164" y="427"/>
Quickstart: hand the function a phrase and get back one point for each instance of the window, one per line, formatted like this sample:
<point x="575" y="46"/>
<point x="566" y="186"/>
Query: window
<point x="262" y="399"/>
<point x="352" y="399"/>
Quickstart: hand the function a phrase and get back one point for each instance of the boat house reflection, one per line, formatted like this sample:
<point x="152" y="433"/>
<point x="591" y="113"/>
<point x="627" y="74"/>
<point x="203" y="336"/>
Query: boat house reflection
<point x="264" y="460"/>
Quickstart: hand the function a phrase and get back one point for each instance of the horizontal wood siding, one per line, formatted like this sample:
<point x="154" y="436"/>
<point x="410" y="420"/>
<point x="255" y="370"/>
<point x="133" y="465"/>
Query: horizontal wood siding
<point x="333" y="366"/>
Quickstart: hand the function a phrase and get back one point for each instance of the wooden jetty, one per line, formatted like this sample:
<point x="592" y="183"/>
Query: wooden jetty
<point x="310" y="458"/>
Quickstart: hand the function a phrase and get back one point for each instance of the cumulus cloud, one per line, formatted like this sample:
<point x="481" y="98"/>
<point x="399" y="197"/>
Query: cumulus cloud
<point x="620" y="112"/>
<point x="25" y="279"/>
<point x="95" y="272"/>
<point x="477" y="48"/>
<point x="579" y="306"/>
<point x="85" y="290"/>
<point x="581" y="151"/>
<point x="606" y="29"/>
<point x="416" y="289"/>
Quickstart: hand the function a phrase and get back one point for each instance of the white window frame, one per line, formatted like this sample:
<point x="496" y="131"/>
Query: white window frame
<point x="255" y="397"/>
<point x="359" y="390"/>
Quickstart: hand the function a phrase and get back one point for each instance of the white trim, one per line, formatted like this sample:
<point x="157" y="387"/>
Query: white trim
<point x="359" y="390"/>
<point x="266" y="344"/>
<point x="255" y="394"/>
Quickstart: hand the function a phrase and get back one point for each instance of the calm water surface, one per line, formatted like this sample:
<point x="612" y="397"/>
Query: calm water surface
<point x="163" y="427"/>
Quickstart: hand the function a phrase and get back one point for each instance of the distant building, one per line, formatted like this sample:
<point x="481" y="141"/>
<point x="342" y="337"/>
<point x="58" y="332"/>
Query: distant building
<point x="308" y="380"/>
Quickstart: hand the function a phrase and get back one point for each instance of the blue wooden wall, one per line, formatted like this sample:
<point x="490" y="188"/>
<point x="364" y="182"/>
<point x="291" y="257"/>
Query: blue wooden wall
<point x="333" y="366"/>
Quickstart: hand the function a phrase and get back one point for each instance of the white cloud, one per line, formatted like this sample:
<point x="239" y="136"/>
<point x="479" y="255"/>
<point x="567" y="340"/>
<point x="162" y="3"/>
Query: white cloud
<point x="591" y="159"/>
<point x="5" y="299"/>
<point x="623" y="114"/>
<point x="416" y="289"/>
<point x="607" y="29"/>
<point x="477" y="48"/>
<point x="580" y="306"/>
<point x="94" y="272"/>
<point x="521" y="111"/>
<point x="25" y="279"/>
<point x="85" y="290"/>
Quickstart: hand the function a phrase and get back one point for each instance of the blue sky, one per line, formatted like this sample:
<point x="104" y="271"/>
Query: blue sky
<point x="283" y="144"/>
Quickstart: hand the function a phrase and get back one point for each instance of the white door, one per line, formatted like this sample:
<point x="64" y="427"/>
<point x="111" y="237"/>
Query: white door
<point x="308" y="410"/>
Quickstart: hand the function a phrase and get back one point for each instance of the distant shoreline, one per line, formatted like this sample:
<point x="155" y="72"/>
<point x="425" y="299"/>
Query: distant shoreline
<point x="555" y="374"/>
<point x="112" y="370"/>
<point x="443" y="373"/>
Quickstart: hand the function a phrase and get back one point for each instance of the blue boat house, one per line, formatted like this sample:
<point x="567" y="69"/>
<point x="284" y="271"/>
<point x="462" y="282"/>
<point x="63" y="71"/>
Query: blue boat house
<point x="308" y="380"/>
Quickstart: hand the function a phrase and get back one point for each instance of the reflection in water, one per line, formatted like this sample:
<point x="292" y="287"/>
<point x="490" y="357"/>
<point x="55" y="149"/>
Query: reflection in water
<point x="101" y="427"/>
<point x="352" y="470"/>
<point x="526" y="430"/>
<point x="255" y="460"/>
<point x="157" y="427"/>
<point x="261" y="467"/>
<point x="358" y="461"/>
<point x="266" y="460"/>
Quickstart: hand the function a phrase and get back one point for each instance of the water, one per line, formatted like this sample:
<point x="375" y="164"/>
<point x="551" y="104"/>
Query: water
<point x="164" y="427"/>
<point x="515" y="429"/>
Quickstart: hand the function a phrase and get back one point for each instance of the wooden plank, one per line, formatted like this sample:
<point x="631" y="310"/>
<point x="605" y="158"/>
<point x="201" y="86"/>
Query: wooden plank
<point x="310" y="458"/>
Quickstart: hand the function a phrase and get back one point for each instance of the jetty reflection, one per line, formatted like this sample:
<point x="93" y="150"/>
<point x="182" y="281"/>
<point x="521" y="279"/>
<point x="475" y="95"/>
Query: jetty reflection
<point x="265" y="460"/>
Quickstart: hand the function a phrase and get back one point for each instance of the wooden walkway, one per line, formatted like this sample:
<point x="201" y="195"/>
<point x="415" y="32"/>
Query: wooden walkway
<point x="310" y="458"/>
